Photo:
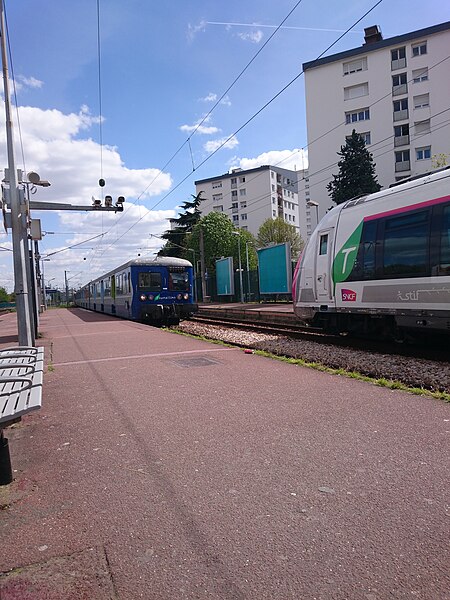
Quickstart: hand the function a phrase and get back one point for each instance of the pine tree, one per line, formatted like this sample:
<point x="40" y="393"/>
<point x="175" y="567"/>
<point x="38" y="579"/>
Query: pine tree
<point x="356" y="172"/>
<point x="176" y="236"/>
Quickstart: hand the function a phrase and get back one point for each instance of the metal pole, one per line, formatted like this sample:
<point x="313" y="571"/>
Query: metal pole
<point x="248" y="272"/>
<point x="67" y="289"/>
<point x="240" y="269"/>
<point x="202" y="266"/>
<point x="18" y="213"/>
<point x="43" y="286"/>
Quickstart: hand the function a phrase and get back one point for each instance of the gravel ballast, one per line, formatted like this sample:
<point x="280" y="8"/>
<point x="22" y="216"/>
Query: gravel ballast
<point x="412" y="372"/>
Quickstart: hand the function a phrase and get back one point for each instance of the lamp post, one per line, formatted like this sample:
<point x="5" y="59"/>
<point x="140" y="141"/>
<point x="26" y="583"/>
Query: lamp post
<point x="238" y="233"/>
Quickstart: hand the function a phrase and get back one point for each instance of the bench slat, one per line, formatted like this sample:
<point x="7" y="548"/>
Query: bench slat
<point x="21" y="378"/>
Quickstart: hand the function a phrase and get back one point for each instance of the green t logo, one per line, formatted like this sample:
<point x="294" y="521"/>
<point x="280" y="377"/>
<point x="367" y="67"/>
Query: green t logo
<point x="345" y="258"/>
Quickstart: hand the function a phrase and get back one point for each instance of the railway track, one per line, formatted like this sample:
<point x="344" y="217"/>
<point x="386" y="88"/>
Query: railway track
<point x="435" y="351"/>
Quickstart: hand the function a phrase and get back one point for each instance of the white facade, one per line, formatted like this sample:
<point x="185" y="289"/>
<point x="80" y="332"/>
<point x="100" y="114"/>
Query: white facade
<point x="250" y="197"/>
<point x="394" y="92"/>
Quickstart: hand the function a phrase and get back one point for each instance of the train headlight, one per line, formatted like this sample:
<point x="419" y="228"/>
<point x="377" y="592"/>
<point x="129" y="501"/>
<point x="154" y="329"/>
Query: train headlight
<point x="151" y="297"/>
<point x="186" y="296"/>
<point x="179" y="297"/>
<point x="143" y="297"/>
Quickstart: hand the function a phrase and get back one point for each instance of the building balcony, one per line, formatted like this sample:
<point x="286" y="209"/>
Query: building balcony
<point x="402" y="166"/>
<point x="401" y="115"/>
<point x="401" y="140"/>
<point x="400" y="63"/>
<point x="398" y="90"/>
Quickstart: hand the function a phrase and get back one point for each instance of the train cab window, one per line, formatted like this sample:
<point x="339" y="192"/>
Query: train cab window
<point x="444" y="263"/>
<point x="364" y="266"/>
<point x="179" y="282"/>
<point x="323" y="247"/>
<point x="150" y="282"/>
<point x="406" y="241"/>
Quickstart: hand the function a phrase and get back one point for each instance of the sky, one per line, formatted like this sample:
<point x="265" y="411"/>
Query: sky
<point x="149" y="96"/>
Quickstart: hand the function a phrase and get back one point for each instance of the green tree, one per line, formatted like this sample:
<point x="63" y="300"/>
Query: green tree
<point x="176" y="236"/>
<point x="277" y="231"/>
<point x="356" y="175"/>
<point x="4" y="296"/>
<point x="219" y="240"/>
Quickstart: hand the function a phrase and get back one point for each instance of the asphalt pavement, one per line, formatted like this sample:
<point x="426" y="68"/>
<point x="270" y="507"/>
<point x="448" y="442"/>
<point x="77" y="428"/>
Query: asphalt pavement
<point x="166" y="467"/>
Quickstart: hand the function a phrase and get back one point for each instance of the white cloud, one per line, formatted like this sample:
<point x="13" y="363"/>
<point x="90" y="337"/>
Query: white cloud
<point x="194" y="29"/>
<point x="30" y="82"/>
<point x="199" y="129"/>
<point x="57" y="147"/>
<point x="213" y="145"/>
<point x="294" y="160"/>
<point x="209" y="98"/>
<point x="254" y="36"/>
<point x="226" y="101"/>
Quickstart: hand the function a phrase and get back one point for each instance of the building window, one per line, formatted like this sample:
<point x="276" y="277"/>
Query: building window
<point x="399" y="84"/>
<point x="355" y="116"/>
<point x="242" y="179"/>
<point x="218" y="208"/>
<point x="356" y="91"/>
<point x="235" y="218"/>
<point x="420" y="75"/>
<point x="244" y="228"/>
<point x="401" y="135"/>
<point x="421" y="101"/>
<point x="233" y="181"/>
<point x="217" y="197"/>
<point x="244" y="217"/>
<point x="423" y="153"/>
<point x="422" y="127"/>
<point x="274" y="200"/>
<point x="216" y="184"/>
<point x="293" y="218"/>
<point x="274" y="213"/>
<point x="243" y="204"/>
<point x="243" y="192"/>
<point x="419" y="49"/>
<point x="272" y="174"/>
<point x="234" y="194"/>
<point x="355" y="66"/>
<point x="402" y="161"/>
<point x="400" y="109"/>
<point x="273" y="187"/>
<point x="398" y="58"/>
<point x="234" y="206"/>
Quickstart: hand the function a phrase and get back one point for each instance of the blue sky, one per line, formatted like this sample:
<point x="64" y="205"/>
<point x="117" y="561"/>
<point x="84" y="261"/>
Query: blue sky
<point x="163" y="66"/>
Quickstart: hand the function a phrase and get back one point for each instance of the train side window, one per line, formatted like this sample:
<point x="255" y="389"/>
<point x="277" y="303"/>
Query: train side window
<point x="323" y="247"/>
<point x="150" y="282"/>
<point x="444" y="263"/>
<point x="406" y="243"/>
<point x="129" y="282"/>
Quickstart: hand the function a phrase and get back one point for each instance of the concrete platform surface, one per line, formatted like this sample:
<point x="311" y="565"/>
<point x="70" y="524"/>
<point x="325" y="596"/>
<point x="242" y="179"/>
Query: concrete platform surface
<point x="165" y="467"/>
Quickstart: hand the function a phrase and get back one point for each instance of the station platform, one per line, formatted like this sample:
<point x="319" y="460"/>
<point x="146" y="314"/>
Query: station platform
<point x="162" y="466"/>
<point x="279" y="313"/>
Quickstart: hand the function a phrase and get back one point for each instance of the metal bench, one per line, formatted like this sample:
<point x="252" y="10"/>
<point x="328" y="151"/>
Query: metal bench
<point x="21" y="378"/>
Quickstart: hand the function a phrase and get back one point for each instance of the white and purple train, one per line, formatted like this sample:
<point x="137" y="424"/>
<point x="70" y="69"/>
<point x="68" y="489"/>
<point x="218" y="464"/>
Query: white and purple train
<point x="380" y="264"/>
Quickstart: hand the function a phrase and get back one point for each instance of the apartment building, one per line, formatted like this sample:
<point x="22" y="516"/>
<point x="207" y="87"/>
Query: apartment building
<point x="250" y="197"/>
<point x="394" y="92"/>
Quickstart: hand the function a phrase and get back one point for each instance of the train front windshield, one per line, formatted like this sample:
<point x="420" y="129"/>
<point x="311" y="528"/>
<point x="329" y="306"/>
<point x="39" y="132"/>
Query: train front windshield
<point x="150" y="282"/>
<point x="179" y="282"/>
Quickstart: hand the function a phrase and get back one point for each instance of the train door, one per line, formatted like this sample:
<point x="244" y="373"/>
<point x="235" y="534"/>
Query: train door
<point x="323" y="283"/>
<point x="102" y="295"/>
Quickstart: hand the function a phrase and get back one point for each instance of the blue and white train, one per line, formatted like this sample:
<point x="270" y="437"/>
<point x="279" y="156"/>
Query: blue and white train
<point x="159" y="291"/>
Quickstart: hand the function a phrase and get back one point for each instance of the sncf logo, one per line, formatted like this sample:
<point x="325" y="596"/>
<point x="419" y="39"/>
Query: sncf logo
<point x="348" y="296"/>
